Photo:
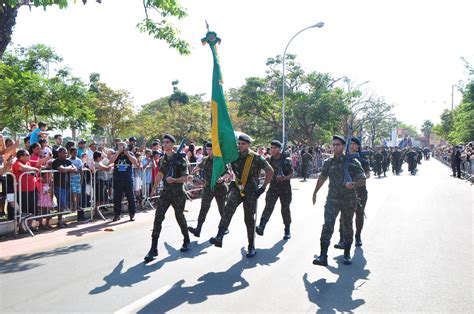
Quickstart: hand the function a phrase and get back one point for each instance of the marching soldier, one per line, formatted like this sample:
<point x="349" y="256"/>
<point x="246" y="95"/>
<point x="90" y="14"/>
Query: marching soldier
<point x="341" y="198"/>
<point x="396" y="160"/>
<point x="361" y="199"/>
<point x="378" y="160"/>
<point x="173" y="171"/>
<point x="306" y="159"/>
<point x="244" y="189"/>
<point x="280" y="187"/>
<point x="411" y="158"/>
<point x="219" y="192"/>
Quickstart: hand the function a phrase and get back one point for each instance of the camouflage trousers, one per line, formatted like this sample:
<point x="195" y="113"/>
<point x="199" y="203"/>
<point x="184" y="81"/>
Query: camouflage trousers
<point x="305" y="171"/>
<point x="168" y="198"/>
<point x="360" y="211"/>
<point x="347" y="207"/>
<point x="249" y="201"/>
<point x="219" y="193"/>
<point x="284" y="193"/>
<point x="377" y="168"/>
<point x="396" y="165"/>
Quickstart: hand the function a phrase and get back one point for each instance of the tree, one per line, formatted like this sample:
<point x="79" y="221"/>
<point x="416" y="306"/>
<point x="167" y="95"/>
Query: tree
<point x="113" y="111"/>
<point x="156" y="22"/>
<point x="412" y="130"/>
<point x="27" y="93"/>
<point x="426" y="129"/>
<point x="314" y="107"/>
<point x="463" y="126"/>
<point x="158" y="117"/>
<point x="378" y="120"/>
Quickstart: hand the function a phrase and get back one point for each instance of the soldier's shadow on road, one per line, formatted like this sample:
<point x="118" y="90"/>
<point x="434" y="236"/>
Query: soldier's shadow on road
<point x="214" y="283"/>
<point x="141" y="271"/>
<point x="336" y="296"/>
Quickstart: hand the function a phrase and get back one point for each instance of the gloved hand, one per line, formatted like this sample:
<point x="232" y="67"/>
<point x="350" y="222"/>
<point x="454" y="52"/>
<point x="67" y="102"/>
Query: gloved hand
<point x="260" y="190"/>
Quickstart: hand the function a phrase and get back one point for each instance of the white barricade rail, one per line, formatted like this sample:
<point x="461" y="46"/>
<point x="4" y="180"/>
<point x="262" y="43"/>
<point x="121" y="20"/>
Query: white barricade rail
<point x="9" y="185"/>
<point x="36" y="197"/>
<point x="87" y="196"/>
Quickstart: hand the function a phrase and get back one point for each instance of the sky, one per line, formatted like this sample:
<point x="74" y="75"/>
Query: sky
<point x="408" y="51"/>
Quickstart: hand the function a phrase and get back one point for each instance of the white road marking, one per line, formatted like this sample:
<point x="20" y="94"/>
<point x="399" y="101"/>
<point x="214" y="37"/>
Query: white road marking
<point x="140" y="303"/>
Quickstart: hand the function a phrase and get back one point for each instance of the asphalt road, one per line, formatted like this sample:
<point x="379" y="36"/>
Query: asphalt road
<point x="417" y="256"/>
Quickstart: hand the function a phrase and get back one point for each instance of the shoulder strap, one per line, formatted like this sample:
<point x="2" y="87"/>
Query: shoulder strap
<point x="245" y="174"/>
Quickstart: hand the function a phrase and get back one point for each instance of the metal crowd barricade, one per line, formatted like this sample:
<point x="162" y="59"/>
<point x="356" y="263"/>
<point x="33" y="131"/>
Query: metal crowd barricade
<point x="10" y="194"/>
<point x="87" y="197"/>
<point x="41" y="205"/>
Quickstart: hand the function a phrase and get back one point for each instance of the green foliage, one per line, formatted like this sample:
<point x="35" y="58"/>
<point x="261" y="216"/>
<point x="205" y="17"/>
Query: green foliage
<point x="315" y="108"/>
<point x="160" y="27"/>
<point x="27" y="93"/>
<point x="412" y="130"/>
<point x="426" y="128"/>
<point x="457" y="125"/>
<point x="157" y="22"/>
<point x="113" y="111"/>
<point x="158" y="118"/>
<point x="378" y="120"/>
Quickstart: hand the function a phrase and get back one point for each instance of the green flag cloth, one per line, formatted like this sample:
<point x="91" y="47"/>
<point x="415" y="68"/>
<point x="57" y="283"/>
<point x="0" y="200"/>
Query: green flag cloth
<point x="224" y="146"/>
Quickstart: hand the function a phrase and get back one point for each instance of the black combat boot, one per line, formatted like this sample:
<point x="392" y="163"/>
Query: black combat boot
<point x="153" y="250"/>
<point x="186" y="245"/>
<point x="260" y="228"/>
<point x="287" y="235"/>
<point x="358" y="241"/>
<point x="347" y="255"/>
<point x="251" y="251"/>
<point x="196" y="231"/>
<point x="217" y="240"/>
<point x="322" y="260"/>
<point x="340" y="244"/>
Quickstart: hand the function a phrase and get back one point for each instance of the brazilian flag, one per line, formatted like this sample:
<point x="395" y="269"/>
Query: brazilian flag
<point x="224" y="146"/>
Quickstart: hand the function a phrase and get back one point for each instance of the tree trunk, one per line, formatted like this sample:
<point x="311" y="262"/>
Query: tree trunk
<point x="74" y="134"/>
<point x="7" y="22"/>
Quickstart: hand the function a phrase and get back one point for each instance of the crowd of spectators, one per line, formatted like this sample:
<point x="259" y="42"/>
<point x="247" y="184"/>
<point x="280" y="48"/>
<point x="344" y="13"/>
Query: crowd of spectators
<point x="458" y="157"/>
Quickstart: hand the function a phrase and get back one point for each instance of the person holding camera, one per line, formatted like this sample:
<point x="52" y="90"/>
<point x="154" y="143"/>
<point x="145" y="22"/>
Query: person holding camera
<point x="123" y="161"/>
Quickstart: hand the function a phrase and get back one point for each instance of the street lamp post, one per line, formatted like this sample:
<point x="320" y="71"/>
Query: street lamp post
<point x="318" y="25"/>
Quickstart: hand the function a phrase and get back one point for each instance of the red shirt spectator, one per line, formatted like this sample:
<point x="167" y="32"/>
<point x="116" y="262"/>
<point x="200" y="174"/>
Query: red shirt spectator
<point x="28" y="181"/>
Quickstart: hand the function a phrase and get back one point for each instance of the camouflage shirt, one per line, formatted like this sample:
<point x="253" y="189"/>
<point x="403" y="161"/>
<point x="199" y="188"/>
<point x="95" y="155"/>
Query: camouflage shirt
<point x="206" y="167"/>
<point x="307" y="157"/>
<point x="180" y="168"/>
<point x="396" y="155"/>
<point x="334" y="170"/>
<point x="286" y="167"/>
<point x="258" y="163"/>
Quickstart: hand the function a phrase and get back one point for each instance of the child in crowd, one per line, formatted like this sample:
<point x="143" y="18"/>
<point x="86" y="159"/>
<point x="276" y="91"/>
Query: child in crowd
<point x="76" y="179"/>
<point x="44" y="186"/>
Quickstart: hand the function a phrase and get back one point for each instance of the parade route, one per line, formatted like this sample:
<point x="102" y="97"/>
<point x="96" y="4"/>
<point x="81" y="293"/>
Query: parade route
<point x="416" y="256"/>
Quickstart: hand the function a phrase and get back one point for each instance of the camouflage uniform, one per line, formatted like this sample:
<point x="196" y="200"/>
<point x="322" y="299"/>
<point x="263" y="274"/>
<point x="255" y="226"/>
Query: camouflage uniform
<point x="280" y="190"/>
<point x="378" y="160"/>
<point x="411" y="158"/>
<point x="219" y="192"/>
<point x="362" y="196"/>
<point x="249" y="199"/>
<point x="340" y="198"/>
<point x="172" y="194"/>
<point x="306" y="163"/>
<point x="396" y="161"/>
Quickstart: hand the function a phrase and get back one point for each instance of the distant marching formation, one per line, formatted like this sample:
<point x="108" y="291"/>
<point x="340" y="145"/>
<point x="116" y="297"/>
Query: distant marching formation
<point x="347" y="172"/>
